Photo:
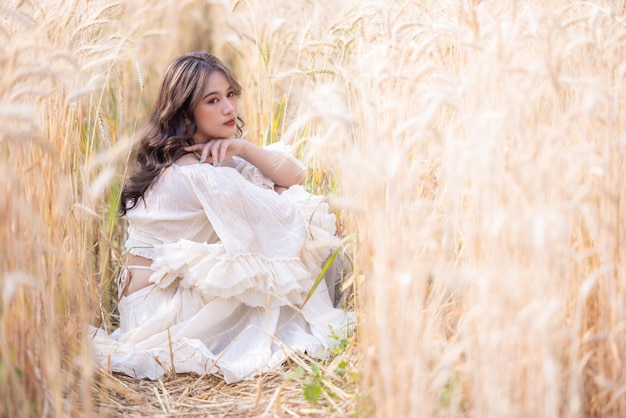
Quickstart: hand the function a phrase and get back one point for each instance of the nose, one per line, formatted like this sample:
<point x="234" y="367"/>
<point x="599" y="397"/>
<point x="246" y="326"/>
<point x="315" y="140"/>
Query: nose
<point x="228" y="107"/>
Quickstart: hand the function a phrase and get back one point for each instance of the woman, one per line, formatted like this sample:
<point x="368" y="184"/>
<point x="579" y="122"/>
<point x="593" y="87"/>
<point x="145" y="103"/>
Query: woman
<point x="223" y="242"/>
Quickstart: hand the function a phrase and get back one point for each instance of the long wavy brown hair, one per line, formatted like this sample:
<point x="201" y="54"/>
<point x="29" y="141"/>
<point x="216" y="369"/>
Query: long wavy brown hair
<point x="172" y="126"/>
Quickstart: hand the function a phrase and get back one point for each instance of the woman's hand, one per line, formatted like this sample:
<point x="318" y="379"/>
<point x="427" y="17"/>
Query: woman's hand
<point x="216" y="151"/>
<point x="284" y="170"/>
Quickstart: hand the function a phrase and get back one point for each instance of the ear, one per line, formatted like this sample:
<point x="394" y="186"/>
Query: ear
<point x="189" y="124"/>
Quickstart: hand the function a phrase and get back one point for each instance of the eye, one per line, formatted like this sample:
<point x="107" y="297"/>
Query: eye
<point x="231" y="94"/>
<point x="212" y="101"/>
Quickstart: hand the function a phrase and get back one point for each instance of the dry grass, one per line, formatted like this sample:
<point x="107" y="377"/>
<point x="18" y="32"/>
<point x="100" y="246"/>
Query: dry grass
<point x="476" y="148"/>
<point x="270" y="395"/>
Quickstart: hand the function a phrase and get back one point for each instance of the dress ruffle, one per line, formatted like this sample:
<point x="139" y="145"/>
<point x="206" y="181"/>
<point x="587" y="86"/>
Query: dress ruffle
<point x="253" y="279"/>
<point x="178" y="330"/>
<point x="237" y="313"/>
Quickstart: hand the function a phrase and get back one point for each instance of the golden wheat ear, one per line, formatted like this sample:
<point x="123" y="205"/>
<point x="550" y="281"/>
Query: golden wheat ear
<point x="480" y="165"/>
<point x="475" y="147"/>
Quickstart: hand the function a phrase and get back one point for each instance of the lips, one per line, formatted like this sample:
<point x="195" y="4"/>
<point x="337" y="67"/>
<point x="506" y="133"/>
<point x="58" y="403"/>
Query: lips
<point x="231" y="122"/>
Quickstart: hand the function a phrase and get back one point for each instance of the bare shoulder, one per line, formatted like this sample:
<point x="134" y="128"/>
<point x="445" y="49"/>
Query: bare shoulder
<point x="187" y="159"/>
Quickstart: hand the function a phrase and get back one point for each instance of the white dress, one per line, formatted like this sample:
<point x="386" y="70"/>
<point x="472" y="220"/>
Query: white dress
<point x="233" y="261"/>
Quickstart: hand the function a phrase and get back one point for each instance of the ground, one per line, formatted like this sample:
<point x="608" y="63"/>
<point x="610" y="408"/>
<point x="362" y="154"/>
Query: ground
<point x="287" y="392"/>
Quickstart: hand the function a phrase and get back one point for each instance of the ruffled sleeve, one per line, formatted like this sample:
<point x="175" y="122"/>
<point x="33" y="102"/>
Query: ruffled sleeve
<point x="252" y="174"/>
<point x="246" y="218"/>
<point x="261" y="237"/>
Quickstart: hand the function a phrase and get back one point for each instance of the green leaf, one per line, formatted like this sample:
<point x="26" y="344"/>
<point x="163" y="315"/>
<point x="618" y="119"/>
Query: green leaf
<point x="296" y="374"/>
<point x="340" y="370"/>
<point x="325" y="268"/>
<point x="315" y="368"/>
<point x="312" y="392"/>
<point x="320" y="276"/>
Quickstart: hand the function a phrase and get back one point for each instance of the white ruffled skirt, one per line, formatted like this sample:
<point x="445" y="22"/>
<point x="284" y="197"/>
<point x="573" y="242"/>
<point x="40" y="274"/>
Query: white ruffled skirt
<point x="208" y="312"/>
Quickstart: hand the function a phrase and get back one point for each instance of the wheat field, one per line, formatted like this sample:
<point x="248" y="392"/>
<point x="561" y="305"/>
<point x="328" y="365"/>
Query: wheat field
<point x="475" y="152"/>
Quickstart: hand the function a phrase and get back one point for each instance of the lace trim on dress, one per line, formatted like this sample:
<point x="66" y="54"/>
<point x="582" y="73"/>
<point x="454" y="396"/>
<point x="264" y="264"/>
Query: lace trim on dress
<point x="146" y="252"/>
<point x="253" y="174"/>
<point x="248" y="277"/>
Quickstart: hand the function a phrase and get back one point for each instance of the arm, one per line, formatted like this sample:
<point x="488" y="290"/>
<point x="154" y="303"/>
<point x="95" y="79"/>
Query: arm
<point x="282" y="169"/>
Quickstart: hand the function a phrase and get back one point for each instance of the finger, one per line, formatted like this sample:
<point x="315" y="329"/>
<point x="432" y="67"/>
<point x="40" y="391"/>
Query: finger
<point x="205" y="153"/>
<point x="217" y="152"/>
<point x="223" y="152"/>
<point x="215" y="148"/>
<point x="194" y="147"/>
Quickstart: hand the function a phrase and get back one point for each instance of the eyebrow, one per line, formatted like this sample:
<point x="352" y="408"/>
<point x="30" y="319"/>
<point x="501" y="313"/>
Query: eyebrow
<point x="215" y="92"/>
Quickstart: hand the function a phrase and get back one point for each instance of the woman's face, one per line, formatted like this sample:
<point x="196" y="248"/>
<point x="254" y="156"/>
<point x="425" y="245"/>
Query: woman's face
<point x="216" y="113"/>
